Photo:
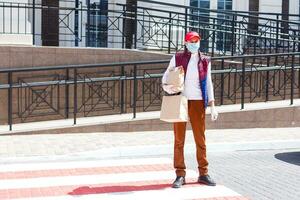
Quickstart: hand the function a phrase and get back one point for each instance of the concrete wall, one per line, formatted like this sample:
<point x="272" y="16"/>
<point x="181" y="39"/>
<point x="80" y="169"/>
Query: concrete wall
<point x="267" y="118"/>
<point x="17" y="57"/>
<point x="16" y="39"/>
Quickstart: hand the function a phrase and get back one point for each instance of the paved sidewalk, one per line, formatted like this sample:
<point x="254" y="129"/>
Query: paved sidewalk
<point x="109" y="145"/>
<point x="118" y="179"/>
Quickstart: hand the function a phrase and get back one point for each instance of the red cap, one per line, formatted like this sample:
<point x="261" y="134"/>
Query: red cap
<point x="190" y="35"/>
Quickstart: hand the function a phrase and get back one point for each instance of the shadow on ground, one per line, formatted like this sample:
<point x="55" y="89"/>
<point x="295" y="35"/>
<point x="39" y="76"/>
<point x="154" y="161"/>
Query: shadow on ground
<point x="289" y="157"/>
<point x="118" y="189"/>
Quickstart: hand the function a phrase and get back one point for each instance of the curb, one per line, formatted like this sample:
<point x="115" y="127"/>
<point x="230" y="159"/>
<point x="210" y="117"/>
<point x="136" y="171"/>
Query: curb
<point x="155" y="150"/>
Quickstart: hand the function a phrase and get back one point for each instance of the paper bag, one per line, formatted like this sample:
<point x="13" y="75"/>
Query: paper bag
<point x="174" y="108"/>
<point x="175" y="77"/>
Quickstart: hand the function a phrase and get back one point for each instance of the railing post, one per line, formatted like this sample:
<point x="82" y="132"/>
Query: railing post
<point x="185" y="21"/>
<point x="33" y="22"/>
<point x="224" y="42"/>
<point x="243" y="84"/>
<point x="123" y="27"/>
<point x="277" y="38"/>
<point x="67" y="93"/>
<point x="134" y="90"/>
<point x="88" y="23"/>
<point x="232" y="35"/>
<point x="9" y="100"/>
<point x="170" y="26"/>
<point x="293" y="79"/>
<point x="75" y="95"/>
<point x="298" y="41"/>
<point x="135" y="26"/>
<point x="294" y="43"/>
<point x="255" y="43"/>
<point x="76" y="23"/>
<point x="18" y="18"/>
<point x="122" y="90"/>
<point x="267" y="79"/>
<point x="213" y="39"/>
<point x="222" y="83"/>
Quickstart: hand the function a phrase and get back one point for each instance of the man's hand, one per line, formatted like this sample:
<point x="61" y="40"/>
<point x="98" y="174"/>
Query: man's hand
<point x="213" y="112"/>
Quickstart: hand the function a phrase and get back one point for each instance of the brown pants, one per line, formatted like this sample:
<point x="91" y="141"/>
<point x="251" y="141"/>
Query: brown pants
<point x="196" y="113"/>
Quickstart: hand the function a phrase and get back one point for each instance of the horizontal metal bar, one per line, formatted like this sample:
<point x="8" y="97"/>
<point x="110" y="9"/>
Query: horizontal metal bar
<point x="126" y="64"/>
<point x="256" y="56"/>
<point x="236" y="28"/>
<point x="207" y="9"/>
<point x="145" y="76"/>
<point x="253" y="69"/>
<point x="83" y="66"/>
<point x="203" y="23"/>
<point x="210" y="10"/>
<point x="39" y="6"/>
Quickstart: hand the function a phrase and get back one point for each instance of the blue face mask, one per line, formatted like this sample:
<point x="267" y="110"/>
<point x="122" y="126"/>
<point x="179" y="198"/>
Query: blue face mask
<point x="193" y="47"/>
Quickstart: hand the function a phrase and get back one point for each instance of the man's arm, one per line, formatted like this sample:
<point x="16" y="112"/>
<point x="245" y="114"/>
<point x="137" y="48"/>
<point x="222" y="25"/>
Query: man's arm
<point x="168" y="88"/>
<point x="210" y="87"/>
<point x="210" y="90"/>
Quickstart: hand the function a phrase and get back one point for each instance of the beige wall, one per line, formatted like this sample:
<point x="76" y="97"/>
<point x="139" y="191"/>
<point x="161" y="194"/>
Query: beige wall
<point x="268" y="118"/>
<point x="20" y="57"/>
<point x="17" y="57"/>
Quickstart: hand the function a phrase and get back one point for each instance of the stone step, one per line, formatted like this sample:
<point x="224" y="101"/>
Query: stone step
<point x="254" y="115"/>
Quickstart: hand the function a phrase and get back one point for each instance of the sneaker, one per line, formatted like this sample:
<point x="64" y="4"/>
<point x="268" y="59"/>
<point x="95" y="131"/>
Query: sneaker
<point x="179" y="181"/>
<point x="206" y="180"/>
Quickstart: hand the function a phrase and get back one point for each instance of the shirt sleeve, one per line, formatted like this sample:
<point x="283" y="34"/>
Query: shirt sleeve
<point x="168" y="88"/>
<point x="209" y="84"/>
<point x="172" y="65"/>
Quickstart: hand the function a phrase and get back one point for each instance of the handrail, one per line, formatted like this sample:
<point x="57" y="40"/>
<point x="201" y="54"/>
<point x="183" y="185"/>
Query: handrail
<point x="233" y="13"/>
<point x="232" y="34"/>
<point x="83" y="66"/>
<point x="243" y="66"/>
<point x="211" y="10"/>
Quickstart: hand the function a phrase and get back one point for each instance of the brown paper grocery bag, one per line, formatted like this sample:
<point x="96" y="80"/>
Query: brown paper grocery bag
<point x="174" y="108"/>
<point x="175" y="77"/>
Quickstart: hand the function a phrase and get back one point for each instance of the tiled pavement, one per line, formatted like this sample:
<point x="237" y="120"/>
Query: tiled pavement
<point x="92" y="165"/>
<point x="143" y="178"/>
<point x="105" y="145"/>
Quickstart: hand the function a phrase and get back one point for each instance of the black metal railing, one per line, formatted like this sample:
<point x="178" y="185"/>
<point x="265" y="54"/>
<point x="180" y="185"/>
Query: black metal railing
<point x="223" y="32"/>
<point x="58" y="92"/>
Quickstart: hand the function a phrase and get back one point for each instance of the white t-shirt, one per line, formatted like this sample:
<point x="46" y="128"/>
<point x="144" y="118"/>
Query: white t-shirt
<point x="192" y="88"/>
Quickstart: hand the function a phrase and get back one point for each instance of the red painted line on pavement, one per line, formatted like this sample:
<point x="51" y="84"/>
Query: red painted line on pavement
<point x="225" y="198"/>
<point x="84" y="171"/>
<point x="90" y="189"/>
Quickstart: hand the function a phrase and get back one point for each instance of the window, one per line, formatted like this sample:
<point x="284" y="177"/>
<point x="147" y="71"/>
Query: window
<point x="206" y="5"/>
<point x="200" y="19"/>
<point x="202" y="14"/>
<point x="224" y="39"/>
<point x="225" y="4"/>
<point x="98" y="24"/>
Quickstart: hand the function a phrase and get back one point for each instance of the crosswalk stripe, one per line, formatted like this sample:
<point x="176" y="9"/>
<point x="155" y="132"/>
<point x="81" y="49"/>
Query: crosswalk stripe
<point x="87" y="179"/>
<point x="82" y="171"/>
<point x="81" y="164"/>
<point x="167" y="193"/>
<point x="147" y="178"/>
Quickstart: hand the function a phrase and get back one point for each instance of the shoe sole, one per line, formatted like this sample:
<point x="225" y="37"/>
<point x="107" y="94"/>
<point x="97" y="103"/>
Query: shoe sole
<point x="205" y="183"/>
<point x="178" y="186"/>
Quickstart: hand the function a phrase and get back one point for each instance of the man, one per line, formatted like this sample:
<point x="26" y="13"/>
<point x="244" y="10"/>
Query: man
<point x="198" y="89"/>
